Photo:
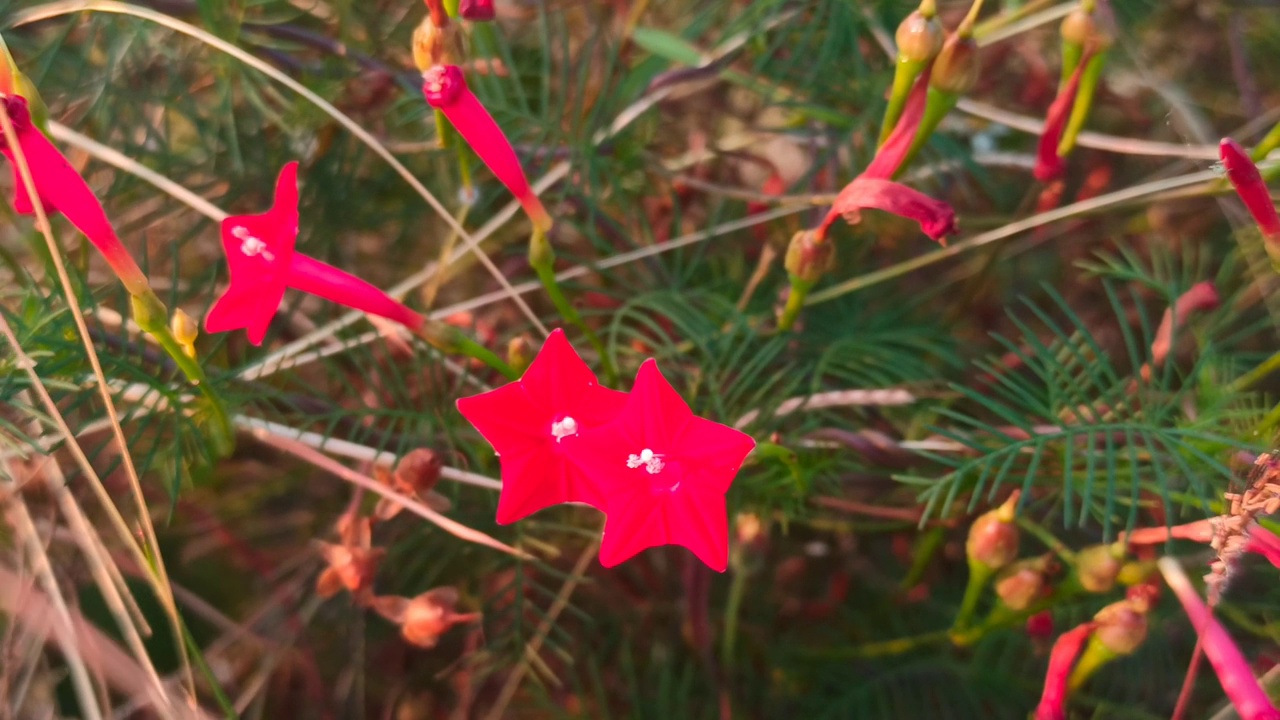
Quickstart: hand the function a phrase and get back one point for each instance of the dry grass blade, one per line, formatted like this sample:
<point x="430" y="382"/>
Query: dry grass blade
<point x="323" y="462"/>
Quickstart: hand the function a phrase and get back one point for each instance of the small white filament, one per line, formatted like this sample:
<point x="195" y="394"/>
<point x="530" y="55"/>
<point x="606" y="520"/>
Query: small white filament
<point x="651" y="461"/>
<point x="251" y="246"/>
<point x="564" y="428"/>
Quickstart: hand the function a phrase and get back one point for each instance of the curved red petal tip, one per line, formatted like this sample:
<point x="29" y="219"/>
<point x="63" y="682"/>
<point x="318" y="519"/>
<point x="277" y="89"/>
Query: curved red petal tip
<point x="1248" y="183"/>
<point x="936" y="218"/>
<point x="1049" y="164"/>
<point x="1265" y="543"/>
<point x="476" y="10"/>
<point x="1061" y="659"/>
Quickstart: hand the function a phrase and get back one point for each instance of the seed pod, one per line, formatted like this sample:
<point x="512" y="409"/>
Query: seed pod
<point x="1021" y="583"/>
<point x="1122" y="626"/>
<point x="993" y="537"/>
<point x="1098" y="566"/>
<point x="808" y="258"/>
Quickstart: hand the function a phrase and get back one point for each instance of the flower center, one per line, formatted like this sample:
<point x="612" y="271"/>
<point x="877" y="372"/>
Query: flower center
<point x="251" y="246"/>
<point x="563" y="428"/>
<point x="648" y="459"/>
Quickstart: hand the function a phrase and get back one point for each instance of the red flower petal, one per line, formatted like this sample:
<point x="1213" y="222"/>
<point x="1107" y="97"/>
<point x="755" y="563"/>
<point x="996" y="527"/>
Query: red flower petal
<point x="1061" y="659"/>
<point x="533" y="422"/>
<point x="61" y="189"/>
<point x="1265" y="543"/>
<point x="446" y="89"/>
<point x="1233" y="670"/>
<point x="259" y="251"/>
<point x="663" y="473"/>
<point x="894" y="150"/>
<point x="1050" y="165"/>
<point x="1246" y="179"/>
<point x="936" y="218"/>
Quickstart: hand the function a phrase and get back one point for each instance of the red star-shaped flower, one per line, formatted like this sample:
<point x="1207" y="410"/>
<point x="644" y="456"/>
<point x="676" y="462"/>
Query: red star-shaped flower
<point x="663" y="473"/>
<point x="262" y="263"/>
<point x="259" y="254"/>
<point x="533" y="422"/>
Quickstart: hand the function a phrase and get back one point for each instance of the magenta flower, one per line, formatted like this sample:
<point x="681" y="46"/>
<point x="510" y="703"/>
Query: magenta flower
<point x="1061" y="660"/>
<point x="476" y="10"/>
<point x="1246" y="179"/>
<point x="447" y="91"/>
<point x="891" y="155"/>
<point x="1233" y="671"/>
<point x="61" y="189"/>
<point x="1049" y="162"/>
<point x="936" y="218"/>
<point x="263" y="263"/>
<point x="532" y="424"/>
<point x="663" y="473"/>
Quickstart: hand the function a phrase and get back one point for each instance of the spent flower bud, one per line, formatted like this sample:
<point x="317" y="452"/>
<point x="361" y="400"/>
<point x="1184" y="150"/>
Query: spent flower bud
<point x="993" y="537"/>
<point x="1097" y="567"/>
<point x="1022" y="583"/>
<point x="809" y="257"/>
<point x="434" y="45"/>
<point x="955" y="71"/>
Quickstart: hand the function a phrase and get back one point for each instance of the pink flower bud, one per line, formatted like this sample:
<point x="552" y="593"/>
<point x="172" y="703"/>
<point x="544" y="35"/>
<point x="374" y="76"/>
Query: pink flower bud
<point x="1098" y="566"/>
<point x="1021" y="583"/>
<point x="1247" y="181"/>
<point x="1122" y="626"/>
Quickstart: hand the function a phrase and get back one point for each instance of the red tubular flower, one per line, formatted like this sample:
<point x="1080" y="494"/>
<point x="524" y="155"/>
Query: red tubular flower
<point x="893" y="152"/>
<point x="1246" y="179"/>
<point x="446" y="90"/>
<point x="1200" y="297"/>
<point x="1233" y="671"/>
<point x="1061" y="660"/>
<point x="1260" y="540"/>
<point x="61" y="189"/>
<point x="936" y="218"/>
<point x="1049" y="164"/>
<point x="263" y="263"/>
<point x="663" y="473"/>
<point x="535" y="421"/>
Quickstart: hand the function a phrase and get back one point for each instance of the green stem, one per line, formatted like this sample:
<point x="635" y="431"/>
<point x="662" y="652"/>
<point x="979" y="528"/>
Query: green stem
<point x="733" y="606"/>
<point x="904" y="76"/>
<point x="986" y="27"/>
<point x="979" y="576"/>
<point x="1095" y="655"/>
<point x="1083" y="104"/>
<point x="1267" y="144"/>
<point x="197" y="655"/>
<point x="795" y="303"/>
<point x="898" y="646"/>
<point x="1244" y="382"/>
<point x="542" y="260"/>
<point x="1050" y="541"/>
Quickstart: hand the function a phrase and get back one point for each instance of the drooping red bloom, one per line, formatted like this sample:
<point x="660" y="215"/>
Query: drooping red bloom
<point x="61" y="189"/>
<point x="446" y="90"/>
<point x="663" y="472"/>
<point x="936" y="217"/>
<point x="262" y="261"/>
<point x="423" y="619"/>
<point x="1049" y="164"/>
<point x="534" y="422"/>
<point x="875" y="189"/>
<point x="1237" y="680"/>
<point x="1246" y="179"/>
<point x="1061" y="659"/>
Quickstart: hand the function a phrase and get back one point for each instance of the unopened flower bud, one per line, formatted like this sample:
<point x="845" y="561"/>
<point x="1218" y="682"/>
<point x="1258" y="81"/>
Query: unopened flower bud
<point x="809" y="257"/>
<point x="955" y="71"/>
<point x="993" y="537"/>
<point x="919" y="38"/>
<point x="434" y="45"/>
<point x="748" y="528"/>
<point x="1098" y="566"/>
<point x="185" y="330"/>
<point x="1121" y="626"/>
<point x="1084" y="28"/>
<point x="519" y="353"/>
<point x="1021" y="583"/>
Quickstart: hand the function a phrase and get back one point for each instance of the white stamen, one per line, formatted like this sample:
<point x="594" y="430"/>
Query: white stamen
<point x="251" y="246"/>
<point x="651" y="461"/>
<point x="564" y="428"/>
